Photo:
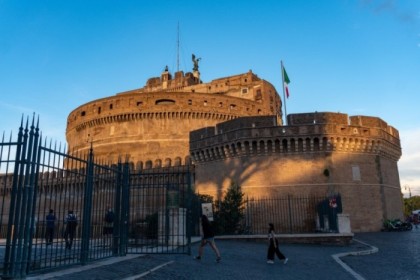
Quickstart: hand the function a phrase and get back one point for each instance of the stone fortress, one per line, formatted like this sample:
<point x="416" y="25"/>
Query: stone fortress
<point x="231" y="129"/>
<point x="151" y="125"/>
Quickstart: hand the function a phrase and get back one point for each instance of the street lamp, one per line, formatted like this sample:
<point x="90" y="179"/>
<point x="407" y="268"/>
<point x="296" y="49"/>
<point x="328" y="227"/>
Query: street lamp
<point x="409" y="197"/>
<point x="409" y="190"/>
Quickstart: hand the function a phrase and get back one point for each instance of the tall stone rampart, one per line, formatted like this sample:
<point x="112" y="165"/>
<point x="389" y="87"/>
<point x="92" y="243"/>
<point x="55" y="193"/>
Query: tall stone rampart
<point x="151" y="125"/>
<point x="356" y="157"/>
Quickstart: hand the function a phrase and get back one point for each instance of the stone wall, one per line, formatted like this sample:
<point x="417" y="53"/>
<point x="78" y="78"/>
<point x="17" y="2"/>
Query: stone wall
<point x="151" y="125"/>
<point x="357" y="160"/>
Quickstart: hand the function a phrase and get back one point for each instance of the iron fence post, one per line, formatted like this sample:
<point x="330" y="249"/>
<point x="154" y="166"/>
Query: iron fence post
<point x="116" y="233"/>
<point x="10" y="259"/>
<point x="87" y="209"/>
<point x="30" y="188"/>
<point x="290" y="214"/>
<point x="125" y="210"/>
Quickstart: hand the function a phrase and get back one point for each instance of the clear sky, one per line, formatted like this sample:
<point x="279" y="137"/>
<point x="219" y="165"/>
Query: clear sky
<point x="350" y="56"/>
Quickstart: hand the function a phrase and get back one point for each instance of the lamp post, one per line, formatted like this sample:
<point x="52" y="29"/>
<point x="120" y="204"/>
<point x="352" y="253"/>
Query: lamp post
<point x="410" y="208"/>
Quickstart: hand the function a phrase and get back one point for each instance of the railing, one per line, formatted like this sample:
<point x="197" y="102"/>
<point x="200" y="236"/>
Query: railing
<point x="289" y="214"/>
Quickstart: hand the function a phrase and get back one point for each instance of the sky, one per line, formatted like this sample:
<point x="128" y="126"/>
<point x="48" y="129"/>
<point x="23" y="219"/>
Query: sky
<point x="349" y="56"/>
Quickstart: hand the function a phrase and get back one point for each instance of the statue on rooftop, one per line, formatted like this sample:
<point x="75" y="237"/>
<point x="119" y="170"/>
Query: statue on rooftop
<point x="195" y="62"/>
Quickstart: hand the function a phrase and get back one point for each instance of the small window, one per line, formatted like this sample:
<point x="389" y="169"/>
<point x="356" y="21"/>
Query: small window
<point x="111" y="106"/>
<point x="83" y="113"/>
<point x="232" y="106"/>
<point x="258" y="95"/>
<point x="139" y="103"/>
<point x="165" y="102"/>
<point x="356" y="173"/>
<point x="220" y="104"/>
<point x="99" y="110"/>
<point x="244" y="91"/>
<point x="189" y="102"/>
<point x="205" y="103"/>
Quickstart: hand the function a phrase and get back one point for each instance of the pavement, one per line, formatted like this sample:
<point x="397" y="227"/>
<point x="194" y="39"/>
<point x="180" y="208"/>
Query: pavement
<point x="381" y="255"/>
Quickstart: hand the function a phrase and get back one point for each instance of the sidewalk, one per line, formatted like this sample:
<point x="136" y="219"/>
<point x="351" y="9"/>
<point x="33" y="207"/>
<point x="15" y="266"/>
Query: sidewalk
<point x="240" y="260"/>
<point x="397" y="258"/>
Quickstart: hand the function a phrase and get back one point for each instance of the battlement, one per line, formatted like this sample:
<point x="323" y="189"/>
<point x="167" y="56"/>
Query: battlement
<point x="152" y="124"/>
<point x="311" y="132"/>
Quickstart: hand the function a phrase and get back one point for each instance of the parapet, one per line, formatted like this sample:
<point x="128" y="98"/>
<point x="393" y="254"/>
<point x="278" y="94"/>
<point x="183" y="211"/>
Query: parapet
<point x="329" y="132"/>
<point x="317" y="117"/>
<point x="232" y="125"/>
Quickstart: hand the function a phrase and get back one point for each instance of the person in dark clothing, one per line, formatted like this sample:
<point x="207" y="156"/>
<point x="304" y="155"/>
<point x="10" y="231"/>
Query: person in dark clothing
<point x="207" y="237"/>
<point x="108" y="226"/>
<point x="71" y="224"/>
<point x="273" y="247"/>
<point x="50" y="219"/>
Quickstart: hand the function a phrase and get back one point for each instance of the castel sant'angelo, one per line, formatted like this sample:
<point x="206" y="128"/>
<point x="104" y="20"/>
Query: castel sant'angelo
<point x="232" y="130"/>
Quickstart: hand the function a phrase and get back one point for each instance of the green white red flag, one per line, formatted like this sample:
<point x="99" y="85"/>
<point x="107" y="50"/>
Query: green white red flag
<point x="286" y="82"/>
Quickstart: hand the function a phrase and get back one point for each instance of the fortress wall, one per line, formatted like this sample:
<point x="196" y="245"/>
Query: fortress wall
<point x="302" y="175"/>
<point x="246" y="122"/>
<point x="317" y="117"/>
<point x="153" y="123"/>
<point x="153" y="127"/>
<point x="128" y="107"/>
<point x="270" y="161"/>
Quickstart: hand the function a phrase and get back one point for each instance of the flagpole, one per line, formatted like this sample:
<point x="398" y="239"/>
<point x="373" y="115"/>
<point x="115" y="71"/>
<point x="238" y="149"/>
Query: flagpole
<point x="284" y="95"/>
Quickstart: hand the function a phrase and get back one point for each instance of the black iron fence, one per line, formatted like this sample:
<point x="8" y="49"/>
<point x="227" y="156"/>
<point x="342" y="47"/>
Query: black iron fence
<point x="160" y="210"/>
<point x="40" y="182"/>
<point x="289" y="214"/>
<point x="42" y="187"/>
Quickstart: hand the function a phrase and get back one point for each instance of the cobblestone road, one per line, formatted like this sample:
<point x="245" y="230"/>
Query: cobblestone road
<point x="398" y="258"/>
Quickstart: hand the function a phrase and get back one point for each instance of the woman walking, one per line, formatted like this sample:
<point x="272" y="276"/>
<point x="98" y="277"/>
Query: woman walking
<point x="273" y="247"/>
<point x="207" y="237"/>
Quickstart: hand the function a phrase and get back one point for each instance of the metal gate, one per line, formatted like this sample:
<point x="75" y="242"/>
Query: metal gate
<point x="40" y="180"/>
<point x="40" y="185"/>
<point x="160" y="211"/>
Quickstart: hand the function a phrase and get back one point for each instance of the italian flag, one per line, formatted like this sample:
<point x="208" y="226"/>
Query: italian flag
<point x="286" y="82"/>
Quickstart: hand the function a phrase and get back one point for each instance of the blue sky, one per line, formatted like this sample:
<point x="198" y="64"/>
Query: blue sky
<point x="355" y="57"/>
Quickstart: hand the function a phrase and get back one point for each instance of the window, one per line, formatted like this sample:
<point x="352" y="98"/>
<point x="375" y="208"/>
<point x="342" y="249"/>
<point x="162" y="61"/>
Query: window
<point x="110" y="106"/>
<point x="164" y="102"/>
<point x="258" y="95"/>
<point x="356" y="173"/>
<point x="244" y="91"/>
<point x="83" y="113"/>
<point x="139" y="103"/>
<point x="189" y="102"/>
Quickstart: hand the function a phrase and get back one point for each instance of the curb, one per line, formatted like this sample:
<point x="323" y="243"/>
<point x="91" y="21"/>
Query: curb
<point x="356" y="275"/>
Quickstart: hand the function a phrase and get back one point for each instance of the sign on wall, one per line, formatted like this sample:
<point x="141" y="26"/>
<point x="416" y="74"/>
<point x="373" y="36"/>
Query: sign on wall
<point x="207" y="209"/>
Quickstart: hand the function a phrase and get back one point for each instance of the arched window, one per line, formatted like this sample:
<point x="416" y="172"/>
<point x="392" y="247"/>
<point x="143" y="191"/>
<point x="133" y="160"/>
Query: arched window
<point x="316" y="144"/>
<point x="149" y="164"/>
<point x="284" y="145"/>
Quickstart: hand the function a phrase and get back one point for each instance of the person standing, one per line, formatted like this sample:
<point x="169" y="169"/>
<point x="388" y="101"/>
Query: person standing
<point x="50" y="219"/>
<point x="207" y="238"/>
<point x="108" y="229"/>
<point x="71" y="224"/>
<point x="273" y="247"/>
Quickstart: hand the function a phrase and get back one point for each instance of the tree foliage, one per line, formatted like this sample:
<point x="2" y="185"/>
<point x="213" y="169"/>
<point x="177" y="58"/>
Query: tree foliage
<point x="230" y="211"/>
<point x="410" y="204"/>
